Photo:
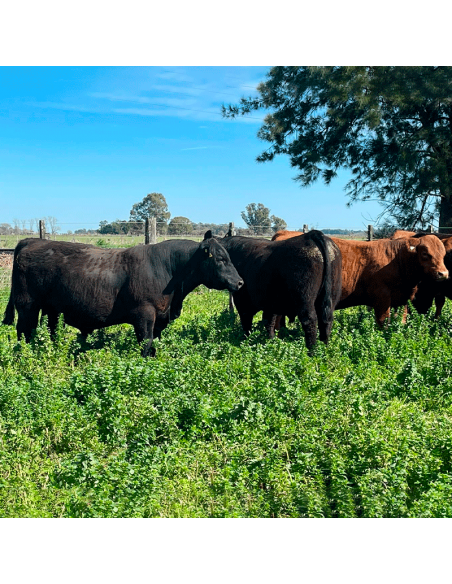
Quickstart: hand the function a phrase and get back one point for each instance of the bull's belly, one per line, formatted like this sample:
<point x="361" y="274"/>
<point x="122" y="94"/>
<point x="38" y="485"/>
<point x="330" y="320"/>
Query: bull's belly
<point x="83" y="315"/>
<point x="399" y="297"/>
<point x="85" y="320"/>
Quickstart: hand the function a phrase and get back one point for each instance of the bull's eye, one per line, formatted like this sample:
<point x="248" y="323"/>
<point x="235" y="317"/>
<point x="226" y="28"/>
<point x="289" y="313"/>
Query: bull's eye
<point x="210" y="255"/>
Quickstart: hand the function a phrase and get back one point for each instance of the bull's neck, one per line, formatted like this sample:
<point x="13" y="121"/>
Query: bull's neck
<point x="183" y="270"/>
<point x="409" y="264"/>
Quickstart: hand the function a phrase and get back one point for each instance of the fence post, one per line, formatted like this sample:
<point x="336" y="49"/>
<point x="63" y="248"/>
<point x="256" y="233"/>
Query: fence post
<point x="430" y="229"/>
<point x="153" y="230"/>
<point x="146" y="231"/>
<point x="231" y="229"/>
<point x="42" y="229"/>
<point x="370" y="232"/>
<point x="305" y="228"/>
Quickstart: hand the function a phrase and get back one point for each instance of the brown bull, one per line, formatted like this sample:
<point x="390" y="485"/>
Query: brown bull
<point x="429" y="290"/>
<point x="384" y="273"/>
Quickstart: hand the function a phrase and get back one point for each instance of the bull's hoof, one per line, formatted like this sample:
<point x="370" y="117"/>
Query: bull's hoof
<point x="148" y="352"/>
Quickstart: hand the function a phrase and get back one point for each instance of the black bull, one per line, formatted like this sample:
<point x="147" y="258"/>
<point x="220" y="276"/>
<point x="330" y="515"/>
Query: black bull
<point x="301" y="276"/>
<point x="95" y="288"/>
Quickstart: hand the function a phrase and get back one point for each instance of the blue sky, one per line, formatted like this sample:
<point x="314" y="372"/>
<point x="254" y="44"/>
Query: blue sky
<point x="83" y="144"/>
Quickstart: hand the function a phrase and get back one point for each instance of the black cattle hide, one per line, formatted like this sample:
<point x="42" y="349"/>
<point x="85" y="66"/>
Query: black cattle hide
<point x="94" y="288"/>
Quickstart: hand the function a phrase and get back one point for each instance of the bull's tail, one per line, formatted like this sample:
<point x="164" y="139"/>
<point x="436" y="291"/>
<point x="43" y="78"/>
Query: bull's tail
<point x="325" y="296"/>
<point x="8" y="317"/>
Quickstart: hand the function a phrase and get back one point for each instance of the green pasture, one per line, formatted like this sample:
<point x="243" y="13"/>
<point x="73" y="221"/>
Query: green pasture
<point x="10" y="241"/>
<point x="220" y="426"/>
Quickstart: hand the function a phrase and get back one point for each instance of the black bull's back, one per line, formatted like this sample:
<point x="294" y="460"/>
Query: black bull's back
<point x="301" y="276"/>
<point x="95" y="288"/>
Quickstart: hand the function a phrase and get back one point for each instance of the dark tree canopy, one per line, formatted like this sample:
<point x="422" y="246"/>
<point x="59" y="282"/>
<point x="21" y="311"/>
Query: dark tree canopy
<point x="180" y="226"/>
<point x="257" y="217"/>
<point x="153" y="205"/>
<point x="391" y="126"/>
<point x="278" y="223"/>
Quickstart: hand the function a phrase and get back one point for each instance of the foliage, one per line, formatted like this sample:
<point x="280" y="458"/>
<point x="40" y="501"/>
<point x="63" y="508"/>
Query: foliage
<point x="219" y="229"/>
<point x="277" y="223"/>
<point x="51" y="224"/>
<point x="390" y="125"/>
<point x="384" y="230"/>
<point x="153" y="205"/>
<point x="180" y="226"/>
<point x="221" y="426"/>
<point x="257" y="217"/>
<point x="119" y="226"/>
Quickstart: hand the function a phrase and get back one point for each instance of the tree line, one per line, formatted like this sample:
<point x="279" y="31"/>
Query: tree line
<point x="29" y="226"/>
<point x="256" y="216"/>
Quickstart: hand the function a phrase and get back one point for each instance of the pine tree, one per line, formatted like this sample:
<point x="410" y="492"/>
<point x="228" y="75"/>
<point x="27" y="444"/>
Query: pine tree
<point x="391" y="126"/>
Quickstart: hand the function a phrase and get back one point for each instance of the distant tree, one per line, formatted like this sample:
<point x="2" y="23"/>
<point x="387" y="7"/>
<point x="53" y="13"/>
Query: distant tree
<point x="5" y="229"/>
<point x="153" y="205"/>
<point x="219" y="229"/>
<point x="52" y="224"/>
<point x="257" y="217"/>
<point x="117" y="227"/>
<point x="277" y="223"/>
<point x="31" y="223"/>
<point x="180" y="226"/>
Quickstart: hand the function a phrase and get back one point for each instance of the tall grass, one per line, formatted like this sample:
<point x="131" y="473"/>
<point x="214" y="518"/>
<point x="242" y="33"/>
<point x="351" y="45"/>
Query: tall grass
<point x="221" y="426"/>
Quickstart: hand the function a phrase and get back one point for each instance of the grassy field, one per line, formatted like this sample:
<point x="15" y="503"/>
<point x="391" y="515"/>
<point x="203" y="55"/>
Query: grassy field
<point x="10" y="241"/>
<point x="220" y="426"/>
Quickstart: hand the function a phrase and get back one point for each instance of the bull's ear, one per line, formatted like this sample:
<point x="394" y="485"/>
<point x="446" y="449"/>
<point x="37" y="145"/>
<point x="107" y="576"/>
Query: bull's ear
<point x="208" y="234"/>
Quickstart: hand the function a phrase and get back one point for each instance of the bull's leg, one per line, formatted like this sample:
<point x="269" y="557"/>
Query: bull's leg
<point x="325" y="323"/>
<point x="440" y="299"/>
<point x="246" y="319"/>
<point x="423" y="299"/>
<point x="325" y="330"/>
<point x="26" y="322"/>
<point x="245" y="309"/>
<point x="405" y="313"/>
<point x="270" y="325"/>
<point x="144" y="328"/>
<point x="159" y="325"/>
<point x="308" y="319"/>
<point x="382" y="312"/>
<point x="270" y="322"/>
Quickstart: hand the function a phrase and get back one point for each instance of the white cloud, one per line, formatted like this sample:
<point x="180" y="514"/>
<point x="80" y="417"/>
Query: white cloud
<point x="196" y="148"/>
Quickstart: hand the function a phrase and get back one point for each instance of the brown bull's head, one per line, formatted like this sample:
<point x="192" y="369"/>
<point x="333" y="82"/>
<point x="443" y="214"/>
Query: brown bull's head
<point x="430" y="252"/>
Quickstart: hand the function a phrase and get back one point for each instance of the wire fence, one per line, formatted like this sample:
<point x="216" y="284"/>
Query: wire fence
<point x="130" y="233"/>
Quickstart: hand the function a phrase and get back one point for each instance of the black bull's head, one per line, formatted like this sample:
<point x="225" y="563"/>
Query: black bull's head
<point x="211" y="266"/>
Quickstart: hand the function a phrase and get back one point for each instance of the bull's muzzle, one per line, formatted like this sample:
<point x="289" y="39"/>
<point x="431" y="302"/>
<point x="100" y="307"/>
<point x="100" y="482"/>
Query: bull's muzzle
<point x="442" y="275"/>
<point x="237" y="286"/>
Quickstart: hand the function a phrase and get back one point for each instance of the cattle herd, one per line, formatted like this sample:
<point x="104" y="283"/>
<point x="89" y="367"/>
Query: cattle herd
<point x="308" y="276"/>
